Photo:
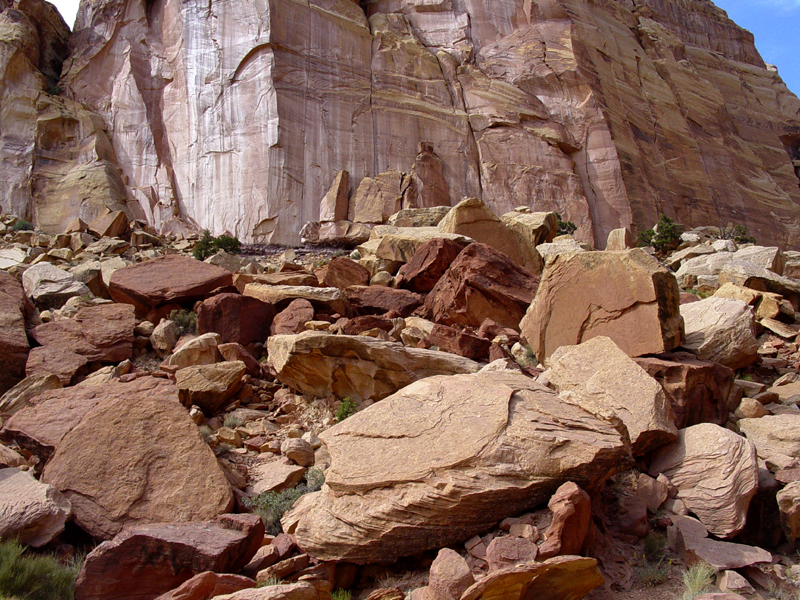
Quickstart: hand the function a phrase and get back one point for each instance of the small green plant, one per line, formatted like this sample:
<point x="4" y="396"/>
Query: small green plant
<point x="340" y="595"/>
<point x="697" y="579"/>
<point x="655" y="546"/>
<point x="269" y="582"/>
<point x="206" y="432"/>
<point x="34" y="577"/>
<point x="186" y="320"/>
<point x="347" y="408"/>
<point x="565" y="227"/>
<point x="700" y="293"/>
<point x="652" y="574"/>
<point x="737" y="233"/>
<point x="271" y="506"/>
<point x="232" y="421"/>
<point x="664" y="236"/>
<point x="22" y="225"/>
<point x="209" y="245"/>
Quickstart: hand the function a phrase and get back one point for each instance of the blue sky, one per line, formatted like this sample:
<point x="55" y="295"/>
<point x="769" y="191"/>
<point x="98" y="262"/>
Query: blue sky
<point x="776" y="26"/>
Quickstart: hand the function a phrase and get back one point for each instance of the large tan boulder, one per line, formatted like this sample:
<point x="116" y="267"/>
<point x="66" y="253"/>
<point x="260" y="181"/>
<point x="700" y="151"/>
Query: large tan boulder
<point x="164" y="280"/>
<point x="377" y="198"/>
<point x="472" y="218"/>
<point x="31" y="512"/>
<point x="600" y="378"/>
<point x="721" y="330"/>
<point x="50" y="287"/>
<point x="716" y="473"/>
<point x="160" y="468"/>
<point x="445" y="458"/>
<point x="209" y="387"/>
<point x="399" y="244"/>
<point x="625" y="296"/>
<point x="361" y="367"/>
<point x="536" y="227"/>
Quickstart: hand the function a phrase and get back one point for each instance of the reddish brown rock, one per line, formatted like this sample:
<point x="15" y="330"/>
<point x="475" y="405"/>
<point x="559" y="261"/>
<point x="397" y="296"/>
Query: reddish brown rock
<point x="207" y="585"/>
<point x="358" y="325"/>
<point x="697" y="390"/>
<point x="450" y="575"/>
<point x="463" y="343"/>
<point x="237" y="319"/>
<point x="377" y="299"/>
<point x="160" y="468"/>
<point x="233" y="352"/>
<point x="429" y="263"/>
<point x="572" y="516"/>
<point x="13" y="340"/>
<point x="481" y="284"/>
<point x="293" y="278"/>
<point x="107" y="325"/>
<point x="145" y="561"/>
<point x="166" y="279"/>
<point x="343" y="272"/>
<point x="626" y="296"/>
<point x="293" y="318"/>
<point x="508" y="551"/>
<point x="58" y="360"/>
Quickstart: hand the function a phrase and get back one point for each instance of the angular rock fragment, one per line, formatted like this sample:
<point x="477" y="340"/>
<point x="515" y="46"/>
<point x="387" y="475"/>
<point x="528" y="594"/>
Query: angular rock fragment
<point x="429" y="263"/>
<point x="721" y="330"/>
<point x="209" y="386"/>
<point x="207" y="585"/>
<point x="14" y="344"/>
<point x="342" y="273"/>
<point x="332" y="299"/>
<point x="446" y="458"/>
<point x="237" y="319"/>
<point x="50" y="287"/>
<point x="31" y="512"/>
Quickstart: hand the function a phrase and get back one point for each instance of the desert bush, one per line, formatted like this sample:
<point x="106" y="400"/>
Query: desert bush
<point x="186" y="320"/>
<point x="209" y="245"/>
<point x="34" y="577"/>
<point x="664" y="236"/>
<point x="340" y="595"/>
<point x="697" y="579"/>
<point x="22" y="225"/>
<point x="271" y="506"/>
<point x="737" y="233"/>
<point x="232" y="421"/>
<point x="227" y="243"/>
<point x="347" y="408"/>
<point x="269" y="582"/>
<point x="565" y="227"/>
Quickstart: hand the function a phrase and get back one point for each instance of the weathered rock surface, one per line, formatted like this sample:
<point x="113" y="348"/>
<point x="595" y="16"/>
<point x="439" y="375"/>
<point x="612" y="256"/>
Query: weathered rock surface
<point x="209" y="386"/>
<point x="481" y="284"/>
<point x="376" y="299"/>
<point x="293" y="318"/>
<point x="162" y="556"/>
<point x="776" y="437"/>
<point x="237" y="319"/>
<point x="600" y="378"/>
<point x="302" y="590"/>
<point x="720" y="330"/>
<point x="13" y="339"/>
<point x="208" y="585"/>
<point x="625" y="296"/>
<point x="200" y="350"/>
<point x="572" y="517"/>
<point x="342" y="273"/>
<point x="160" y="468"/>
<point x="361" y="367"/>
<point x="50" y="287"/>
<point x="330" y="299"/>
<point x="694" y="545"/>
<point x="444" y="459"/>
<point x="789" y="504"/>
<point x="716" y="473"/>
<point x="166" y="279"/>
<point x="31" y="512"/>
<point x="429" y="263"/>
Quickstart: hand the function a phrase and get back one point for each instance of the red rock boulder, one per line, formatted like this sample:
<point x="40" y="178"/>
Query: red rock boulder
<point x="293" y="318"/>
<point x="377" y="299"/>
<point x="237" y="319"/>
<point x="208" y="585"/>
<point x="13" y="340"/>
<point x="145" y="561"/>
<point x="429" y="263"/>
<point x="342" y="273"/>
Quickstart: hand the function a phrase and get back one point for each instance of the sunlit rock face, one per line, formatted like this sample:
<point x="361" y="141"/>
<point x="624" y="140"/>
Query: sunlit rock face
<point x="238" y="116"/>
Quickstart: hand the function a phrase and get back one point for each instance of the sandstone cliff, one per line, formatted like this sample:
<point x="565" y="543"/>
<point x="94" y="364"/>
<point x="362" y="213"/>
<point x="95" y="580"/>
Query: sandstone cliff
<point x="238" y="116"/>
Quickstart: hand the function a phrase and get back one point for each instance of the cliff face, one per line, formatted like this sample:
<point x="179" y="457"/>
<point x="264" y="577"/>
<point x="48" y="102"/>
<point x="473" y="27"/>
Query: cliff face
<point x="237" y="116"/>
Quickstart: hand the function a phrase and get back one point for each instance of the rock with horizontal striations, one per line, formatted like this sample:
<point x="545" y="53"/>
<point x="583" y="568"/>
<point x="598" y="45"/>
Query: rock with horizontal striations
<point x="697" y="389"/>
<point x="481" y="284"/>
<point x="473" y="219"/>
<point x="14" y="344"/>
<point x="237" y="319"/>
<point x="31" y="512"/>
<point x="20" y="395"/>
<point x="446" y="458"/>
<point x="209" y="387"/>
<point x="160" y="468"/>
<point x="600" y="378"/>
<point x="375" y="299"/>
<point x="775" y="437"/>
<point x="207" y="585"/>
<point x="332" y="299"/>
<point x="626" y="296"/>
<point x="361" y="367"/>
<point x="165" y="280"/>
<point x="557" y="578"/>
<point x="721" y="330"/>
<point x="429" y="263"/>
<point x="399" y="244"/>
<point x="299" y="278"/>
<point x="716" y="473"/>
<point x="770" y="258"/>
<point x="50" y="287"/>
<point x="145" y="561"/>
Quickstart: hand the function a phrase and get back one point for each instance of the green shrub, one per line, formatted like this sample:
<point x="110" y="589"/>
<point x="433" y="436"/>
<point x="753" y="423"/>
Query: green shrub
<point x="737" y="233"/>
<point x="269" y="582"/>
<point x="22" y="225"/>
<point x="655" y="547"/>
<point x="209" y="245"/>
<point x="697" y="579"/>
<point x="347" y="408"/>
<point x="565" y="227"/>
<point x="34" y="577"/>
<point x="271" y="506"/>
<point x="232" y="421"/>
<point x="664" y="236"/>
<point x="340" y="595"/>
<point x="186" y="320"/>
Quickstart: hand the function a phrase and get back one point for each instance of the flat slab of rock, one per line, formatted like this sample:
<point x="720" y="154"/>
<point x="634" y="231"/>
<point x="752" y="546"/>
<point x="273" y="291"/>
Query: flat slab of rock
<point x="14" y="344"/>
<point x="302" y="590"/>
<point x="692" y="543"/>
<point x="716" y="473"/>
<point x="320" y="364"/>
<point x="31" y="512"/>
<point x="721" y="330"/>
<point x="332" y="299"/>
<point x="378" y="299"/>
<point x="444" y="459"/>
<point x="156" y="558"/>
<point x="274" y="476"/>
<point x="626" y="296"/>
<point x="600" y="378"/>
<point x="164" y="280"/>
<point x="160" y="468"/>
<point x="399" y="244"/>
<point x="559" y="578"/>
<point x="481" y="284"/>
